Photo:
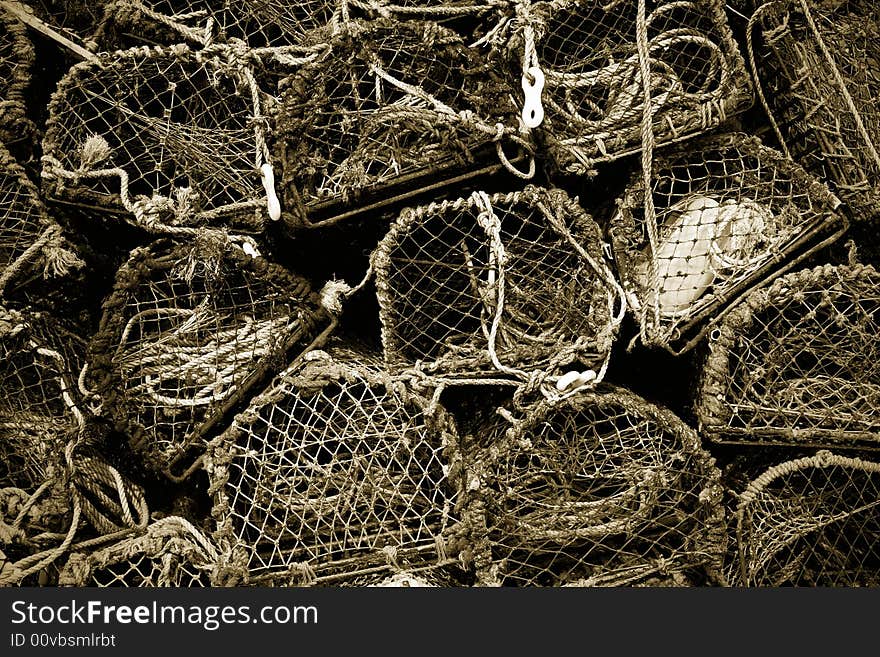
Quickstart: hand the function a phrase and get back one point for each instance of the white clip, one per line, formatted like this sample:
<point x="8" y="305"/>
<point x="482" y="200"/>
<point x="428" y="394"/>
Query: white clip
<point x="274" y="205"/>
<point x="533" y="111"/>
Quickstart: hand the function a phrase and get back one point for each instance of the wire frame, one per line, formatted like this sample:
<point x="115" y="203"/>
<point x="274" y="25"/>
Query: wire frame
<point x="40" y="359"/>
<point x="818" y="67"/>
<point x="811" y="522"/>
<point x="186" y="333"/>
<point x="484" y="285"/>
<point x="172" y="138"/>
<point x="598" y="489"/>
<point x="593" y="95"/>
<point x="171" y="552"/>
<point x="16" y="60"/>
<point x="393" y="106"/>
<point x="338" y="473"/>
<point x="731" y="214"/>
<point x="798" y="363"/>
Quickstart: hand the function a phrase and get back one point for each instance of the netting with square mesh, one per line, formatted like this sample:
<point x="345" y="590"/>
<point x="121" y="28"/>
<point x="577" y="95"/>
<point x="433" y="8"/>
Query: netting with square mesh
<point x="28" y="238"/>
<point x="335" y="473"/>
<point x="798" y="363"/>
<point x="489" y="286"/>
<point x="392" y="104"/>
<point x="169" y="552"/>
<point x="16" y="60"/>
<point x="813" y="521"/>
<point x="730" y="214"/>
<point x="172" y="138"/>
<point x="599" y="489"/>
<point x="40" y="359"/>
<point x="819" y="73"/>
<point x="187" y="331"/>
<point x="586" y="60"/>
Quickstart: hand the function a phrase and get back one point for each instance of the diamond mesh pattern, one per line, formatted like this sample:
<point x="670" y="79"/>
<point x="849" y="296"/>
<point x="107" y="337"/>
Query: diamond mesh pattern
<point x="811" y="522"/>
<point x="729" y="214"/>
<point x="798" y="362"/>
<point x="185" y="334"/>
<point x="439" y="273"/>
<point x="600" y="489"/>
<point x="336" y="472"/>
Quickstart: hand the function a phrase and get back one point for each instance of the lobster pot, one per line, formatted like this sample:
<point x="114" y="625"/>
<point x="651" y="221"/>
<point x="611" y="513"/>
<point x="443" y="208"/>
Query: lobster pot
<point x="16" y="60"/>
<point x="336" y="473"/>
<point x="590" y="85"/>
<point x="518" y="275"/>
<point x="393" y="107"/>
<point x="40" y="359"/>
<point x="187" y="331"/>
<point x="170" y="552"/>
<point x="598" y="489"/>
<point x="729" y="214"/>
<point x="812" y="522"/>
<point x="170" y="138"/>
<point x="797" y="363"/>
<point x="818" y="65"/>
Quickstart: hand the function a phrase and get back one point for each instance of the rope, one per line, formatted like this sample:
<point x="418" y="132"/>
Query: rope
<point x="759" y="12"/>
<point x="50" y="244"/>
<point x="841" y="83"/>
<point x="647" y="135"/>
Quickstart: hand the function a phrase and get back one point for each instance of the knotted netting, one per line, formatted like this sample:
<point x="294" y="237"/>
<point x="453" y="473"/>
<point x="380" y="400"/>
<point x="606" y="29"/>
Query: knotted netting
<point x="597" y="489"/>
<point x="393" y="105"/>
<point x="812" y="521"/>
<point x="258" y="23"/>
<point x="337" y="472"/>
<point x="819" y="75"/>
<point x="187" y="331"/>
<point x="476" y="20"/>
<point x="169" y="552"/>
<point x="16" y="60"/>
<point x="798" y="363"/>
<point x="40" y="359"/>
<point x="171" y="138"/>
<point x="728" y="214"/>
<point x="582" y="64"/>
<point x="488" y="286"/>
<point x="28" y="237"/>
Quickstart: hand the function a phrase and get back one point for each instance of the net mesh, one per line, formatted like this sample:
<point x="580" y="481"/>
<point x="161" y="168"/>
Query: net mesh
<point x="335" y="473"/>
<point x="515" y="279"/>
<point x="798" y="362"/>
<point x="392" y="103"/>
<point x="171" y="552"/>
<point x="593" y="95"/>
<point x="730" y="214"/>
<point x="186" y="332"/>
<point x="172" y="136"/>
<point x="16" y="60"/>
<point x="27" y="237"/>
<point x="39" y="363"/>
<point x="259" y="24"/>
<point x="811" y="522"/>
<point x="600" y="489"/>
<point x="818" y="65"/>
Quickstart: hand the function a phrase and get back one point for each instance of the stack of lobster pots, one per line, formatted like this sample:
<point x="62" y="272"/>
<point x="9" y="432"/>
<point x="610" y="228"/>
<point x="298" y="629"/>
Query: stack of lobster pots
<point x="407" y="293"/>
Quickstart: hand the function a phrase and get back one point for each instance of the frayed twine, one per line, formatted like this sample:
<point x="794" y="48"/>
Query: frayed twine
<point x="333" y="296"/>
<point x="60" y="257"/>
<point x="205" y="259"/>
<point x="94" y="151"/>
